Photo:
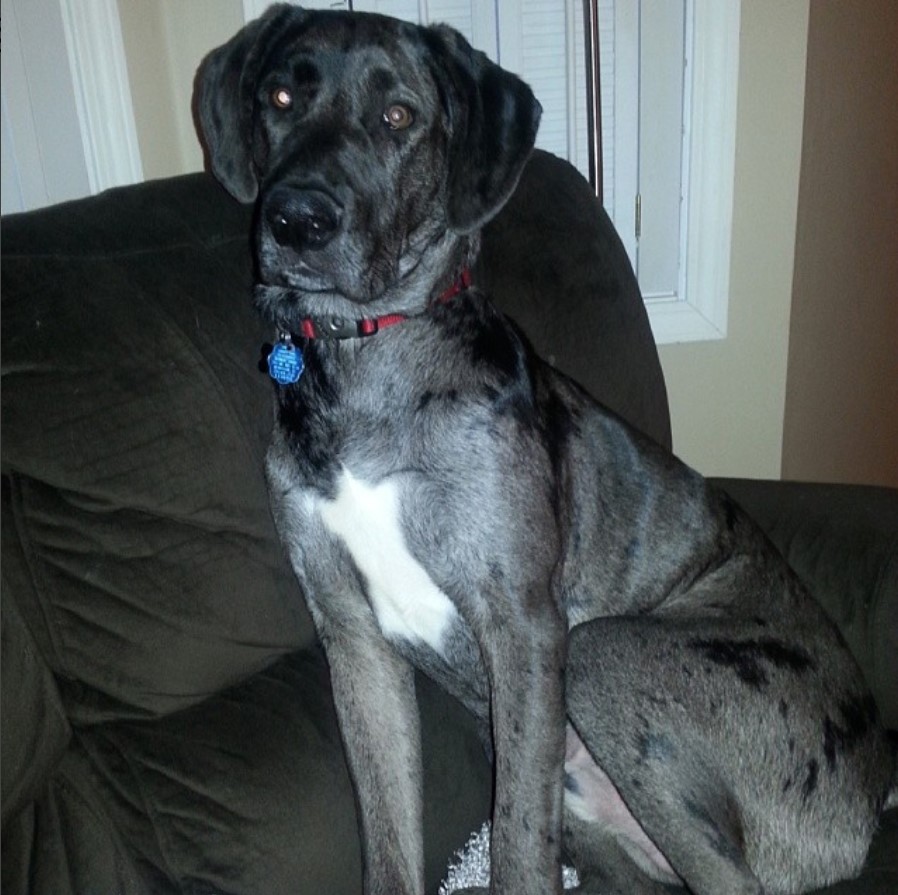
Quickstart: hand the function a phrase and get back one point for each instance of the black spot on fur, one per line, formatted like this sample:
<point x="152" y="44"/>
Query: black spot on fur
<point x="717" y="838"/>
<point x="558" y="427"/>
<point x="559" y="420"/>
<point x="750" y="658"/>
<point x="730" y="511"/>
<point x="493" y="345"/>
<point x="306" y="81"/>
<point x="656" y="747"/>
<point x="429" y="397"/>
<point x="383" y="80"/>
<point x="810" y="783"/>
<point x="858" y="717"/>
<point x="312" y="398"/>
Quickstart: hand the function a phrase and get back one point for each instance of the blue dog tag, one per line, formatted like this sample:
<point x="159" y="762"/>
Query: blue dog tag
<point x="285" y="363"/>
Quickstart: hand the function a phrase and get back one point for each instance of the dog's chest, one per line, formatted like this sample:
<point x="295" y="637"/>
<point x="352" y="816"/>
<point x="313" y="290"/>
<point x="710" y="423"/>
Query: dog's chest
<point x="408" y="604"/>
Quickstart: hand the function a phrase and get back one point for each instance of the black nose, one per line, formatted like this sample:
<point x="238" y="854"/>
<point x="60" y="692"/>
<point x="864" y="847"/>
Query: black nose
<point x="301" y="219"/>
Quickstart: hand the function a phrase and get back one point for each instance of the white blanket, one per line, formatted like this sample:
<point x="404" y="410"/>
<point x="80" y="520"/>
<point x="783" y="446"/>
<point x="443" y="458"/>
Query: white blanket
<point x="472" y="866"/>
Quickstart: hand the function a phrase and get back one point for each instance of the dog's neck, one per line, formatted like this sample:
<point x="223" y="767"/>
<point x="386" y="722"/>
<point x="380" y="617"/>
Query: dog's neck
<point x="413" y="289"/>
<point x="286" y="362"/>
<point x="336" y="327"/>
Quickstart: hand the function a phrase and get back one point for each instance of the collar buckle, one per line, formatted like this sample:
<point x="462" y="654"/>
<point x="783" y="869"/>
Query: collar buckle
<point x="334" y="327"/>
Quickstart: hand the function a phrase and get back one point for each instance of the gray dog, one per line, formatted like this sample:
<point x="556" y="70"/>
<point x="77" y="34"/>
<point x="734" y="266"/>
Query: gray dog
<point x="664" y="701"/>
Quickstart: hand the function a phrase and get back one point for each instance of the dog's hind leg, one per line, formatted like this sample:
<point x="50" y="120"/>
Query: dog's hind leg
<point x="669" y="814"/>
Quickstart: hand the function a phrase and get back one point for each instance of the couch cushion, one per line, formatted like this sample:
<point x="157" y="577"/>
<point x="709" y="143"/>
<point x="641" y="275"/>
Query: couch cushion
<point x="246" y="793"/>
<point x="134" y="427"/>
<point x="35" y="731"/>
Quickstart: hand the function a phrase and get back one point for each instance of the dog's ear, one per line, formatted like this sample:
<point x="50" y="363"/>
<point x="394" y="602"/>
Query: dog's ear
<point x="224" y="93"/>
<point x="493" y="119"/>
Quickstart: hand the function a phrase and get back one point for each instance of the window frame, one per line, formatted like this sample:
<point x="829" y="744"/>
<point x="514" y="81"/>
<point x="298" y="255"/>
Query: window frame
<point x="701" y="313"/>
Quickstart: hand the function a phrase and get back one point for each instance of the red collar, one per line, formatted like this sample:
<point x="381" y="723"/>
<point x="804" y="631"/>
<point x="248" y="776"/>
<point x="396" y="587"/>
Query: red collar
<point x="341" y="328"/>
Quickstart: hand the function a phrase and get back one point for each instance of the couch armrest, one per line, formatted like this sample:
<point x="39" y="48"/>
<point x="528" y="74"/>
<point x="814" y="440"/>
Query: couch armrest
<point x="842" y="540"/>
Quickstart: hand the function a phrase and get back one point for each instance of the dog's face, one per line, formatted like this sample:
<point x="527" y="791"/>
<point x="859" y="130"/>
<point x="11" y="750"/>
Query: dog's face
<point x="366" y="140"/>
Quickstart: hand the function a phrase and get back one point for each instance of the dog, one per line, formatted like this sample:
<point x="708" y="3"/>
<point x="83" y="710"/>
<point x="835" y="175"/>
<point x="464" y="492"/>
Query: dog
<point x="664" y="702"/>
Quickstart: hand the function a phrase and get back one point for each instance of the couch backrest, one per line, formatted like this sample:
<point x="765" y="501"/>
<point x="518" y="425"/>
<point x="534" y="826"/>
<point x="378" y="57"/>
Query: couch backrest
<point x="134" y="427"/>
<point x="137" y="539"/>
<point x="553" y="261"/>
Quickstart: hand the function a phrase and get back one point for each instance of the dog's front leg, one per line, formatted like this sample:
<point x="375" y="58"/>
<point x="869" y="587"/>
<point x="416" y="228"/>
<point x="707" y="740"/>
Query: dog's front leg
<point x="374" y="692"/>
<point x="525" y="658"/>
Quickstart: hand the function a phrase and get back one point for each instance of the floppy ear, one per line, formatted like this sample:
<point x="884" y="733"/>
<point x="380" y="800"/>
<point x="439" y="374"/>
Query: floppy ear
<point x="493" y="117"/>
<point x="224" y="98"/>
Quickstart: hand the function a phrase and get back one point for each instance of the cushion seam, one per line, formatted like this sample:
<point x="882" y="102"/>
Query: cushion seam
<point x="122" y="853"/>
<point x="152" y="815"/>
<point x="42" y="586"/>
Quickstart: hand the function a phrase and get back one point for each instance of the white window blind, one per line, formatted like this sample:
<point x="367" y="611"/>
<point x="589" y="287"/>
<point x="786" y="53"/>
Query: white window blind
<point x="654" y="55"/>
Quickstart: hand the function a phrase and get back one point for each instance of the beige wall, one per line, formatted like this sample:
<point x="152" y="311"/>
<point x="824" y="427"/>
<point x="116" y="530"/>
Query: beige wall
<point x="841" y="421"/>
<point x="164" y="42"/>
<point x="727" y="397"/>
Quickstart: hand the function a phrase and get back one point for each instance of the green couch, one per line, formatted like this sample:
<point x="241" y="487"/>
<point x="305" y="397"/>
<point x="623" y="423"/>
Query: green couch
<point x="167" y="725"/>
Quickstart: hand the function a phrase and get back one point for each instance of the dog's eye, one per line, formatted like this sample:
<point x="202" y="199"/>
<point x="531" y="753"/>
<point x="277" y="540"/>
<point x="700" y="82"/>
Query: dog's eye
<point x="282" y="97"/>
<point x="398" y="117"/>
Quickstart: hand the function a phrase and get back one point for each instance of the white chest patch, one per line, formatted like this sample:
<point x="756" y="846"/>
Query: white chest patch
<point x="407" y="603"/>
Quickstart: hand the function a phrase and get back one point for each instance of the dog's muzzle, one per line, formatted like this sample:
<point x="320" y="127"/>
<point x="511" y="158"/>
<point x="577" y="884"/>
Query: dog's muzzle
<point x="301" y="219"/>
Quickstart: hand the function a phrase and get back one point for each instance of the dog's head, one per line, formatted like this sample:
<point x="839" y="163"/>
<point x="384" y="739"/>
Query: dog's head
<point x="373" y="146"/>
